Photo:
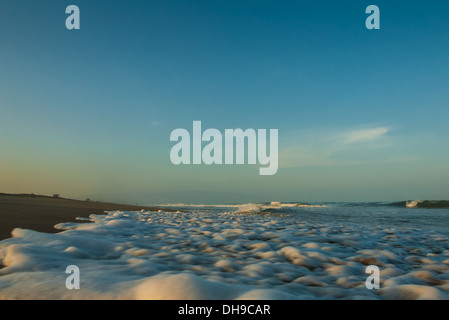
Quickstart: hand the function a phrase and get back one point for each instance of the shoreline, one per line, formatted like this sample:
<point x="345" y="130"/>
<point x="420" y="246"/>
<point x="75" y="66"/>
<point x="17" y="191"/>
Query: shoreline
<point x="41" y="213"/>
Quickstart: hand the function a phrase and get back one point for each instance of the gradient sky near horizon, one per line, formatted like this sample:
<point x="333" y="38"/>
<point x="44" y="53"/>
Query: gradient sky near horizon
<point x="362" y="114"/>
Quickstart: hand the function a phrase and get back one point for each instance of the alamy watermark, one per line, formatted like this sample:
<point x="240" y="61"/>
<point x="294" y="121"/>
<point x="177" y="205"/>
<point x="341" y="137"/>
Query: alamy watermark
<point x="372" y="281"/>
<point x="373" y="20"/>
<point x="72" y="281"/>
<point x="227" y="148"/>
<point x="73" y="20"/>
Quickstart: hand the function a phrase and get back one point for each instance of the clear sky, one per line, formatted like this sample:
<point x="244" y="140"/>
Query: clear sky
<point x="362" y="114"/>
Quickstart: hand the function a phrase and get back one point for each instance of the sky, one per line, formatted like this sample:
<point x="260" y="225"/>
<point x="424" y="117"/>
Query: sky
<point x="362" y="114"/>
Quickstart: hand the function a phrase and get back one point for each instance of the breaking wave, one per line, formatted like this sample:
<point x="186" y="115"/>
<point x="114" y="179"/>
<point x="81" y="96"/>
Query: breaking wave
<point x="423" y="204"/>
<point x="275" y="206"/>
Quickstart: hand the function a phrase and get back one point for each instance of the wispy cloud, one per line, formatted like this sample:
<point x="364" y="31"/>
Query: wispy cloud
<point x="344" y="147"/>
<point x="364" y="135"/>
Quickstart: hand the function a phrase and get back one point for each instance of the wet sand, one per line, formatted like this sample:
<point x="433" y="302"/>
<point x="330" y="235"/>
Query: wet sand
<point x="41" y="213"/>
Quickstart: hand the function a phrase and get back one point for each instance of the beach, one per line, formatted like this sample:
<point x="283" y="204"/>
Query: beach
<point x="41" y="213"/>
<point x="249" y="251"/>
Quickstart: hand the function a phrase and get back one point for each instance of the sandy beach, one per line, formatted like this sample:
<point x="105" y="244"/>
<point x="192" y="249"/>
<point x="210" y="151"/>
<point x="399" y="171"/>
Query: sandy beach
<point x="41" y="213"/>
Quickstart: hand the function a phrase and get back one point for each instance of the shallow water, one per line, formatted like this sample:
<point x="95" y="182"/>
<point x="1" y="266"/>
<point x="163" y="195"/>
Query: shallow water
<point x="347" y="213"/>
<point x="251" y="251"/>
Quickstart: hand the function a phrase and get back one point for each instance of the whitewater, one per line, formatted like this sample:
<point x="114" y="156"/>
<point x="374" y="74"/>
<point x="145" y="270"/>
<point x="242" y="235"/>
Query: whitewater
<point x="249" y="251"/>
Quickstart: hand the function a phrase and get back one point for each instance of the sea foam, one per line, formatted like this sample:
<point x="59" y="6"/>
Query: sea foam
<point x="227" y="255"/>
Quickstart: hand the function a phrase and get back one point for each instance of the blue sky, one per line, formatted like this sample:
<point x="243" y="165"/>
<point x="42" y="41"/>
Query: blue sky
<point x="362" y="115"/>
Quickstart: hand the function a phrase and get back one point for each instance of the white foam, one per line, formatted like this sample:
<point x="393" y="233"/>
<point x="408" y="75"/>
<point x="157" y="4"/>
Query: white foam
<point x="203" y="255"/>
<point x="413" y="204"/>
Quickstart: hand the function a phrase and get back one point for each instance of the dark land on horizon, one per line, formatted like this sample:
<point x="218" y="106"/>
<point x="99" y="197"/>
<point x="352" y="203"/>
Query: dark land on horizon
<point x="41" y="213"/>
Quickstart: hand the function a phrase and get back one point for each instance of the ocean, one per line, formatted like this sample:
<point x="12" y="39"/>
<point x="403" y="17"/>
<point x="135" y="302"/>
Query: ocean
<point x="430" y="215"/>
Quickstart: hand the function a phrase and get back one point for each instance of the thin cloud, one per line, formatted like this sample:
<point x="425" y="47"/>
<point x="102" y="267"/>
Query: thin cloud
<point x="365" y="135"/>
<point x="336" y="149"/>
